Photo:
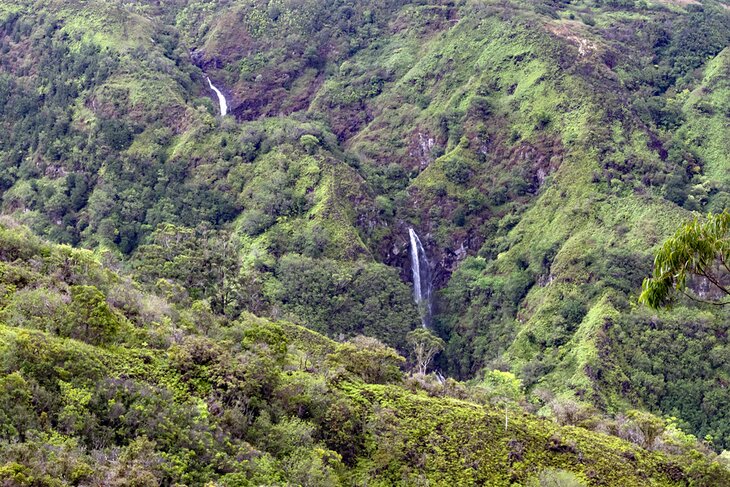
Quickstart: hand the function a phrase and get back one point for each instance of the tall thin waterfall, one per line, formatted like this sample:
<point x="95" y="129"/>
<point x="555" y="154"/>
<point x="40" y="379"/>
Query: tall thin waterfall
<point x="422" y="285"/>
<point x="221" y="99"/>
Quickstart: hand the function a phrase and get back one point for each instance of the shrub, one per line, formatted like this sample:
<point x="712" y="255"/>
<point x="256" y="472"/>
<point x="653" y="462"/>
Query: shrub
<point x="309" y="142"/>
<point x="91" y="320"/>
<point x="457" y="171"/>
<point x="369" y="359"/>
<point x="557" y="478"/>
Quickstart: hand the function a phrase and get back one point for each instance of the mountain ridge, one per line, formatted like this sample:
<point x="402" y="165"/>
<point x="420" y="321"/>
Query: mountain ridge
<point x="541" y="150"/>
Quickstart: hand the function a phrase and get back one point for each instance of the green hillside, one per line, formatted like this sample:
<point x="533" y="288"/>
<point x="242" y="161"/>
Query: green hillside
<point x="104" y="383"/>
<point x="542" y="150"/>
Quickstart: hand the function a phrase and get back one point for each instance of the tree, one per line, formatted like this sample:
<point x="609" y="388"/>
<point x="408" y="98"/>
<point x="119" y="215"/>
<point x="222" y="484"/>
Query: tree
<point x="92" y="320"/>
<point x="203" y="260"/>
<point x="16" y="407"/>
<point x="425" y="347"/>
<point x="699" y="249"/>
<point x="503" y="387"/>
<point x="370" y="359"/>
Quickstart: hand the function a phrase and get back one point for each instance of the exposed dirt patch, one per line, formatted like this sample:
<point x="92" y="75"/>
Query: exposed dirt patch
<point x="574" y="32"/>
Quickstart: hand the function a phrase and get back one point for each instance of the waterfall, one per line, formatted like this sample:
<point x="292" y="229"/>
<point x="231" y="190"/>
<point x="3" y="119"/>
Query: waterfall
<point x="422" y="285"/>
<point x="221" y="98"/>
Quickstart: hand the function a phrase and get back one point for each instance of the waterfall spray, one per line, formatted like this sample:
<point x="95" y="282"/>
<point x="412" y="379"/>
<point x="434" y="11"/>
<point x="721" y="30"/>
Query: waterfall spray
<point x="422" y="285"/>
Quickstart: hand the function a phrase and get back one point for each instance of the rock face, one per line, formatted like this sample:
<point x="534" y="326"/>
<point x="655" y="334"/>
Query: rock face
<point x="422" y="149"/>
<point x="705" y="290"/>
<point x="450" y="257"/>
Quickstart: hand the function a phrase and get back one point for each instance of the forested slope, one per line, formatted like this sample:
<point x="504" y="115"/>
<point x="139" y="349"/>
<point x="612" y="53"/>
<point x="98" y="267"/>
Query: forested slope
<point x="542" y="150"/>
<point x="104" y="384"/>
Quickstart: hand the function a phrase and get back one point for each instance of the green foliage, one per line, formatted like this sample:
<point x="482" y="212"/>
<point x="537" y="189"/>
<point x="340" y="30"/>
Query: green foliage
<point x="471" y="447"/>
<point x="201" y="260"/>
<point x="310" y="142"/>
<point x="545" y="156"/>
<point x="502" y="388"/>
<point x="16" y="408"/>
<point x="671" y="363"/>
<point x="700" y="249"/>
<point x="557" y="478"/>
<point x="488" y="297"/>
<point x="91" y="318"/>
<point x="425" y="345"/>
<point x="250" y="401"/>
<point x="370" y="360"/>
<point x="458" y="172"/>
<point x="348" y="300"/>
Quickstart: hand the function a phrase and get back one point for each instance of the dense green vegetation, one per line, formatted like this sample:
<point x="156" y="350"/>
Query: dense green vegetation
<point x="104" y="383"/>
<point x="543" y="150"/>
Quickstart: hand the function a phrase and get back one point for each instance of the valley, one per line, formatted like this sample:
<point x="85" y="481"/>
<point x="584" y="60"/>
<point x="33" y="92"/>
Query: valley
<point x="269" y="198"/>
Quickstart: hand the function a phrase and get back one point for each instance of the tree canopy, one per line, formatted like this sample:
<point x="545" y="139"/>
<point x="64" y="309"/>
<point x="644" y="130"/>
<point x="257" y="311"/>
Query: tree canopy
<point x="694" y="262"/>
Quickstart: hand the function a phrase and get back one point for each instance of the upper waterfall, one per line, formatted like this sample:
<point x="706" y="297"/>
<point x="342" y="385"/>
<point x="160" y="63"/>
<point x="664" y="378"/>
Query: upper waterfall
<point x="221" y="99"/>
<point x="422" y="284"/>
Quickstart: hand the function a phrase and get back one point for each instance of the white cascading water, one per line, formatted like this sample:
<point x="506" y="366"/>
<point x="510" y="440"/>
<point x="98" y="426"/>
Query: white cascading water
<point x="221" y="99"/>
<point x="422" y="285"/>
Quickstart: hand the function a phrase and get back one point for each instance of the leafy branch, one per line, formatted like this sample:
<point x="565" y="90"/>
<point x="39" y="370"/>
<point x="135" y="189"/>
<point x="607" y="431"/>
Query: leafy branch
<point x="699" y="248"/>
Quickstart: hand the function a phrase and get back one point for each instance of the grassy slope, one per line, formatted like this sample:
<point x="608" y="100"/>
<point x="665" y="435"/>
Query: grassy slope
<point x="706" y="109"/>
<point x="458" y="442"/>
<point x="525" y="72"/>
